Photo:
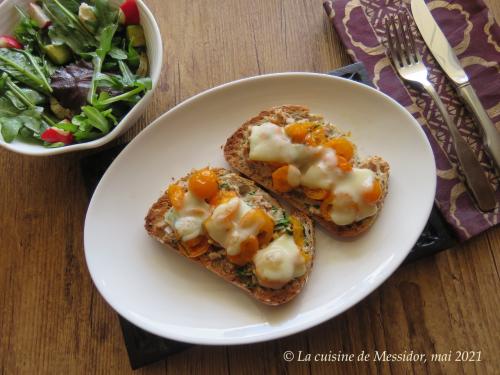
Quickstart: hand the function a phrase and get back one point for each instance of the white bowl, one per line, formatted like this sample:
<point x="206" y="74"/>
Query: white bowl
<point x="8" y="20"/>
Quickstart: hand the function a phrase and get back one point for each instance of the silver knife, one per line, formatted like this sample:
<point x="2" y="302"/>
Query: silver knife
<point x="447" y="59"/>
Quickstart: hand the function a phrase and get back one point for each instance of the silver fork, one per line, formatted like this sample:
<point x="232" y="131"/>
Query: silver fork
<point x="408" y="62"/>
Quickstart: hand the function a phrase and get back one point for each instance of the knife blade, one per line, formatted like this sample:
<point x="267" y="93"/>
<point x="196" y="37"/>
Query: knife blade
<point x="448" y="61"/>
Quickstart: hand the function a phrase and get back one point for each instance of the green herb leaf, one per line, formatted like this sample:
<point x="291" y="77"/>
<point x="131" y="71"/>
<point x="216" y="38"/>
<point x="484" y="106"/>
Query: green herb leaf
<point x="24" y="67"/>
<point x="27" y="32"/>
<point x="67" y="28"/>
<point x="10" y="128"/>
<point x="117" y="53"/>
<point x="98" y="120"/>
<point x="284" y="224"/>
<point x="133" y="56"/>
<point x="105" y="39"/>
<point x="127" y="77"/>
<point x="105" y="14"/>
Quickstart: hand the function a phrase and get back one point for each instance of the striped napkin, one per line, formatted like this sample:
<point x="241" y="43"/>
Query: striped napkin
<point x="474" y="34"/>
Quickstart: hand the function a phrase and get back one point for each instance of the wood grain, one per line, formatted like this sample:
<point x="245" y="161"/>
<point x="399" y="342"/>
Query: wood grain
<point x="52" y="320"/>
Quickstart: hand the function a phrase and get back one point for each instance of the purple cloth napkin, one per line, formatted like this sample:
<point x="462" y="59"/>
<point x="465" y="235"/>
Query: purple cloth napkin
<point x="475" y="36"/>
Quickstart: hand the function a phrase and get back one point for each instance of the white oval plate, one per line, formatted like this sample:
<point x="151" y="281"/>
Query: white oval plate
<point x="166" y="294"/>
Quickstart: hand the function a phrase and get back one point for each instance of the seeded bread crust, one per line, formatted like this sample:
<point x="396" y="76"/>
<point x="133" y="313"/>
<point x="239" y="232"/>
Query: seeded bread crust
<point x="215" y="259"/>
<point x="237" y="148"/>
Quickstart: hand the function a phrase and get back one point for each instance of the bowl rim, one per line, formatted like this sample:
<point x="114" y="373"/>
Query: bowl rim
<point x="156" y="43"/>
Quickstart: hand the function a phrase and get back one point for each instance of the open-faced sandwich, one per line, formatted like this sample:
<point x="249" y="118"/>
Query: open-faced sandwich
<point x="313" y="165"/>
<point x="230" y="226"/>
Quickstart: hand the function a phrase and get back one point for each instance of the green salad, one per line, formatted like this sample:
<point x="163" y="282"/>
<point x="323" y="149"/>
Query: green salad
<point x="71" y="71"/>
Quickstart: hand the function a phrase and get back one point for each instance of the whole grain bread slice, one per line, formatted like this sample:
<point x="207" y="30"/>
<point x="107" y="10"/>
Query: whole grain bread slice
<point x="236" y="151"/>
<point x="215" y="259"/>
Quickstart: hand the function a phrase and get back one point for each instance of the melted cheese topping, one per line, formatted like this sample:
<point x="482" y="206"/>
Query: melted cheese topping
<point x="188" y="221"/>
<point x="223" y="226"/>
<point x="278" y="263"/>
<point x="315" y="168"/>
<point x="293" y="176"/>
<point x="275" y="265"/>
<point x="268" y="142"/>
<point x="322" y="173"/>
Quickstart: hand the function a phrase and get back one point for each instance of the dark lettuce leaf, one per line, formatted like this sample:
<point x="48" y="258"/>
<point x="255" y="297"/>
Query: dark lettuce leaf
<point x="71" y="85"/>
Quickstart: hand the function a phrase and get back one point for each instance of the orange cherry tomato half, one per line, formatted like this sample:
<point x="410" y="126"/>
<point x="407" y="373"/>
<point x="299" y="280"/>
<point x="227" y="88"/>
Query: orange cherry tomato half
<point x="298" y="231"/>
<point x="248" y="248"/>
<point x="262" y="221"/>
<point x="297" y="132"/>
<point x="196" y="247"/>
<point x="316" y="194"/>
<point x="223" y="196"/>
<point x="280" y="180"/>
<point x="342" y="147"/>
<point x="343" y="164"/>
<point x="316" y="137"/>
<point x="175" y="195"/>
<point x="204" y="184"/>
<point x="373" y="195"/>
<point x="326" y="207"/>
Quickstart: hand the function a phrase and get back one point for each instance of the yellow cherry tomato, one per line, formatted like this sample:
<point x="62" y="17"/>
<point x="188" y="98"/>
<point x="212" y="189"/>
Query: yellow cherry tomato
<point x="298" y="131"/>
<point x="175" y="195"/>
<point x="280" y="180"/>
<point x="298" y="231"/>
<point x="248" y="248"/>
<point x="223" y="196"/>
<point x="374" y="194"/>
<point x="196" y="247"/>
<point x="316" y="137"/>
<point x="342" y="147"/>
<point x="343" y="164"/>
<point x="316" y="194"/>
<point x="204" y="184"/>
<point x="262" y="221"/>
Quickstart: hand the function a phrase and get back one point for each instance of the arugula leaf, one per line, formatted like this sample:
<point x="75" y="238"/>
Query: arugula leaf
<point x="140" y="86"/>
<point x="117" y="53"/>
<point x="18" y="104"/>
<point x="65" y="12"/>
<point x="67" y="28"/>
<point x="105" y="14"/>
<point x="98" y="120"/>
<point x="12" y="120"/>
<point x="105" y="39"/>
<point x="71" y="5"/>
<point x="27" y="32"/>
<point x="24" y="67"/>
<point x="90" y="124"/>
<point x="7" y="84"/>
<point x="7" y="109"/>
<point x="10" y="128"/>
<point x="133" y="56"/>
<point x="34" y="96"/>
<point x="127" y="77"/>
<point x="76" y="42"/>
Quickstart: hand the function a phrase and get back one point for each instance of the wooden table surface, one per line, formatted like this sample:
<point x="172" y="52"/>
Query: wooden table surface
<point x="53" y="320"/>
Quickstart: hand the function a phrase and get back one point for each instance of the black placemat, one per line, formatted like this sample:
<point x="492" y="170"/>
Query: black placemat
<point x="145" y="348"/>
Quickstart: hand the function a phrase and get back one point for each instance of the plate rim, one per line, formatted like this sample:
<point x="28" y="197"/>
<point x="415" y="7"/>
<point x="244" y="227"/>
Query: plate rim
<point x="162" y="331"/>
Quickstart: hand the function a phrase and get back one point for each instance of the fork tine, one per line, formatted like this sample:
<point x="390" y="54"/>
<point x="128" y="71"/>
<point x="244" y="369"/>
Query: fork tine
<point x="390" y="43"/>
<point x="413" y="45"/>
<point x="404" y="28"/>
<point x="400" y="37"/>
<point x="389" y="27"/>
